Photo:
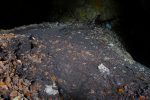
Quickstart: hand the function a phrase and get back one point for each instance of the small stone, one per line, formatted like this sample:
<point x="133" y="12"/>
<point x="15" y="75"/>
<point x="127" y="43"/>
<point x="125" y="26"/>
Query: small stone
<point x="50" y="91"/>
<point x="19" y="62"/>
<point x="103" y="69"/>
<point x="92" y="91"/>
<point x="17" y="98"/>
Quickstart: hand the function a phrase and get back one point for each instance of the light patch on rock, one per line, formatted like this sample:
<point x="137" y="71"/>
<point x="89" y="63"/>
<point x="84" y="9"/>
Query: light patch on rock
<point x="79" y="32"/>
<point x="125" y="59"/>
<point x="50" y="91"/>
<point x="19" y="62"/>
<point x="106" y="58"/>
<point x="111" y="44"/>
<point x="142" y="69"/>
<point x="92" y="91"/>
<point x="103" y="69"/>
<point x="17" y="98"/>
<point x="123" y="71"/>
<point x="129" y="60"/>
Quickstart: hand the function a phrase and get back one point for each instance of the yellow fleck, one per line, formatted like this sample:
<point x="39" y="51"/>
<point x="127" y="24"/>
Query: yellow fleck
<point x="53" y="78"/>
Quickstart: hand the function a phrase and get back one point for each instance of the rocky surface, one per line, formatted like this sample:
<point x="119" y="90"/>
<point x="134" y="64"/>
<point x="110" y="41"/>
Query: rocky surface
<point x="68" y="62"/>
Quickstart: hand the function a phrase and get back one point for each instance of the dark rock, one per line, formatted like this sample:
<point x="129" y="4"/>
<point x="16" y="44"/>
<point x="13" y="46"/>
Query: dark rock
<point x="75" y="61"/>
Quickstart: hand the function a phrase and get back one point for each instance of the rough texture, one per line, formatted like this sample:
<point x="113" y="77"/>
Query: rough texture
<point x="68" y="61"/>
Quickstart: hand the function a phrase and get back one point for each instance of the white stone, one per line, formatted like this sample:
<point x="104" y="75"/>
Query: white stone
<point x="19" y="61"/>
<point x="49" y="90"/>
<point x="103" y="69"/>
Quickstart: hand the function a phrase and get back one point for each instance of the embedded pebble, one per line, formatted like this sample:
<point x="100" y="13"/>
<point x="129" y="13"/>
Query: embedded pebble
<point x="103" y="69"/>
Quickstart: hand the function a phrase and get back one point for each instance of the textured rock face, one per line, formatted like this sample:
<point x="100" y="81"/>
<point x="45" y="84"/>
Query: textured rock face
<point x="74" y="61"/>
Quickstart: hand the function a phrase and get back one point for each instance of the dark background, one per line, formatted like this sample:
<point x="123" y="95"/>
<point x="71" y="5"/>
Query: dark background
<point x="136" y="29"/>
<point x="135" y="20"/>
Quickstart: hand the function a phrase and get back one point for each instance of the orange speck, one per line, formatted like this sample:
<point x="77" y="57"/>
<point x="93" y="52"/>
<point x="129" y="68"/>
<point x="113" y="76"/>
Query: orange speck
<point x="121" y="90"/>
<point x="142" y="98"/>
<point x="3" y="85"/>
